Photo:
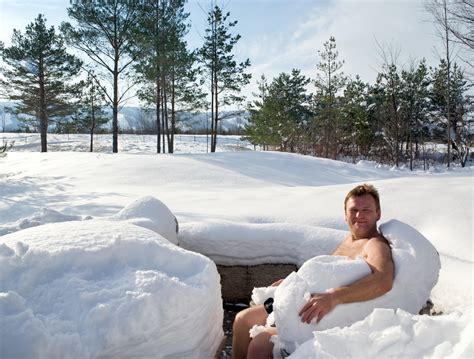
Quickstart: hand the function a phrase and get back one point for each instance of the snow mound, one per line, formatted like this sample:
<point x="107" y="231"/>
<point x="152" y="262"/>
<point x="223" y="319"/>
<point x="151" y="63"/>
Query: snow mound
<point x="416" y="272"/>
<point x="105" y="289"/>
<point x="46" y="215"/>
<point x="151" y="213"/>
<point x="232" y="243"/>
<point x="388" y="333"/>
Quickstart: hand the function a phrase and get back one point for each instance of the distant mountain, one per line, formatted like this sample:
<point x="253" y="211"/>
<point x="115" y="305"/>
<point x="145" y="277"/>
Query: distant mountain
<point x="136" y="119"/>
<point x="7" y="121"/>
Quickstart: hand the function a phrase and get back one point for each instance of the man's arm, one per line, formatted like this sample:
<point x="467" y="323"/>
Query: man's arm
<point x="377" y="283"/>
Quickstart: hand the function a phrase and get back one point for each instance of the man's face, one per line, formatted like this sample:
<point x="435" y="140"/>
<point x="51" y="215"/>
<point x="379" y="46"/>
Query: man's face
<point x="362" y="215"/>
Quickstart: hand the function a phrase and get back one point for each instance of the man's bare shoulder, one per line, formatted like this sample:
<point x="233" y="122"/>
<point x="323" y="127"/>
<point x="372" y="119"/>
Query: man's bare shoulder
<point x="377" y="245"/>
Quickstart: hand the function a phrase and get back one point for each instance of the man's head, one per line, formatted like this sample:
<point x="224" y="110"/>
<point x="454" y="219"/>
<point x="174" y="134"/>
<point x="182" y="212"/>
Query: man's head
<point x="362" y="210"/>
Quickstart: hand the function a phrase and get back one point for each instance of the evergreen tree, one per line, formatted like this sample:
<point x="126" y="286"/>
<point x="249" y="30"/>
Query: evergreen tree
<point x="389" y="87"/>
<point x="415" y="107"/>
<point x="38" y="76"/>
<point x="357" y="132"/>
<point x="281" y="114"/>
<point x="105" y="34"/>
<point x="226" y="76"/>
<point x="458" y="115"/>
<point x="91" y="114"/>
<point x="328" y="82"/>
<point x="167" y="67"/>
<point x="261" y="129"/>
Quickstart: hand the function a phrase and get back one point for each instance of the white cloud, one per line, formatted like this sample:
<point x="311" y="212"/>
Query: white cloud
<point x="357" y="27"/>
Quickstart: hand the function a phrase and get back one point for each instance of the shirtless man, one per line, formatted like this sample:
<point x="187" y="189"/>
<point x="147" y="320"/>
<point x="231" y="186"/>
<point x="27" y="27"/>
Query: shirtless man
<point x="362" y="211"/>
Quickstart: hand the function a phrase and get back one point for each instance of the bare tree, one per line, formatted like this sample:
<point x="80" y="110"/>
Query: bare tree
<point x="442" y="11"/>
<point x="457" y="18"/>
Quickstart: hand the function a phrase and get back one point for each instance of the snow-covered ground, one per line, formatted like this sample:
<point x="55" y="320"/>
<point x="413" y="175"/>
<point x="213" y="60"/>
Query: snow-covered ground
<point x="126" y="143"/>
<point x="233" y="207"/>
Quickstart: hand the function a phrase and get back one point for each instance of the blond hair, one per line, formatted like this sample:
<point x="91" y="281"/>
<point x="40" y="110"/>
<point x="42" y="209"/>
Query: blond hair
<point x="362" y="190"/>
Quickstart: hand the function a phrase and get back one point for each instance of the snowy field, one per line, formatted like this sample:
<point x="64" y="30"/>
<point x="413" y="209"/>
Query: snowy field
<point x="88" y="267"/>
<point x="127" y="143"/>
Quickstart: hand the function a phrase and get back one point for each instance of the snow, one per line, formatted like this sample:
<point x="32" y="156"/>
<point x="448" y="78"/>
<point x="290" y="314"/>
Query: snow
<point x="411" y="252"/>
<point x="87" y="289"/>
<point x="80" y="280"/>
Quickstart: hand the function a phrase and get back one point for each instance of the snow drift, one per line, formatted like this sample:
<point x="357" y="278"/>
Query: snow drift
<point x="86" y="289"/>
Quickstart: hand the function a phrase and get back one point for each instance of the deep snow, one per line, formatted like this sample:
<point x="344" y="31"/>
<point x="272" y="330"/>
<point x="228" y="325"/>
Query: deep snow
<point x="233" y="207"/>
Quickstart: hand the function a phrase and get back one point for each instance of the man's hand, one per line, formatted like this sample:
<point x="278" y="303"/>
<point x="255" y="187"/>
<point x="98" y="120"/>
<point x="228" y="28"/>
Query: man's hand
<point x="318" y="306"/>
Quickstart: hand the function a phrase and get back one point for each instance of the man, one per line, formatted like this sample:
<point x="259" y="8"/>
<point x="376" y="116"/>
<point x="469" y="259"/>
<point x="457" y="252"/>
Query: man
<point x="362" y="211"/>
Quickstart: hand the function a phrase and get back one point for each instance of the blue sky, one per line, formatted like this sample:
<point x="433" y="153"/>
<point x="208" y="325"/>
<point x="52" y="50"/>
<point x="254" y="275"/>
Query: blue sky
<point x="278" y="35"/>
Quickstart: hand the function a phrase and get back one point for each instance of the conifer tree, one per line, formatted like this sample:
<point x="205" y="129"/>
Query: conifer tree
<point x="281" y="115"/>
<point x="91" y="114"/>
<point x="167" y="66"/>
<point x="357" y="132"/>
<point x="415" y="106"/>
<point x="458" y="115"/>
<point x="329" y="81"/>
<point x="38" y="76"/>
<point x="226" y="76"/>
<point x="104" y="33"/>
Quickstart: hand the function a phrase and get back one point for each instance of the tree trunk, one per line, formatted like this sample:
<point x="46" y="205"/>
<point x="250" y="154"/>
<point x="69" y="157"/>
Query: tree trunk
<point x="43" y="116"/>
<point x="158" y="122"/>
<point x="173" y="118"/>
<point x="93" y="126"/>
<point x="115" y="109"/>
<point x="448" y="85"/>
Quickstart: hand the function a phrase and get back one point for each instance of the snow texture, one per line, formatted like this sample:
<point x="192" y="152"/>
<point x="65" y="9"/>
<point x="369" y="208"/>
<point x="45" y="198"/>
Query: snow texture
<point x="257" y="243"/>
<point x="118" y="289"/>
<point x="102" y="288"/>
<point x="389" y="333"/>
<point x="151" y="213"/>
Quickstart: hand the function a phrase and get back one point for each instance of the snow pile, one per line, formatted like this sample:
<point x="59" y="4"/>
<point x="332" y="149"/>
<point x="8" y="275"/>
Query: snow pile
<point x="417" y="267"/>
<point x="87" y="289"/>
<point x="387" y="333"/>
<point x="149" y="212"/>
<point x="233" y="243"/>
<point x="46" y="215"/>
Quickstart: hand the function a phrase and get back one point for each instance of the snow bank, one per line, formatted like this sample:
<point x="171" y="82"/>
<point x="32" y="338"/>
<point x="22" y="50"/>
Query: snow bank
<point x="387" y="333"/>
<point x="416" y="272"/>
<point x="233" y="243"/>
<point x="151" y="213"/>
<point x="46" y="215"/>
<point x="105" y="288"/>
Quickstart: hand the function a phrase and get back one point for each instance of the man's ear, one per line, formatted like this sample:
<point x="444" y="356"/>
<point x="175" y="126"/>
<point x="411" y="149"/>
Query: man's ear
<point x="379" y="214"/>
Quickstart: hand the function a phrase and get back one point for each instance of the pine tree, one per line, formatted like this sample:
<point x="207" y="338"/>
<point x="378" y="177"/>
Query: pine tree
<point x="104" y="33"/>
<point x="38" y="76"/>
<point x="415" y="106"/>
<point x="456" y="115"/>
<point x="226" y="76"/>
<point x="281" y="115"/>
<point x="390" y="86"/>
<point x="167" y="67"/>
<point x="357" y="133"/>
<point x="329" y="81"/>
<point x="91" y="114"/>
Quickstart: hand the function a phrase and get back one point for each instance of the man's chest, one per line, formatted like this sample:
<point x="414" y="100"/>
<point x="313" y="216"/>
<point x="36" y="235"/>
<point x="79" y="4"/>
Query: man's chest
<point x="351" y="249"/>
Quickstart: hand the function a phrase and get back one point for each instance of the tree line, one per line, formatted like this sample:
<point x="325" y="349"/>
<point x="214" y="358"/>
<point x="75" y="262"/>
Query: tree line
<point x="390" y="121"/>
<point x="140" y="45"/>
<point x="128" y="45"/>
